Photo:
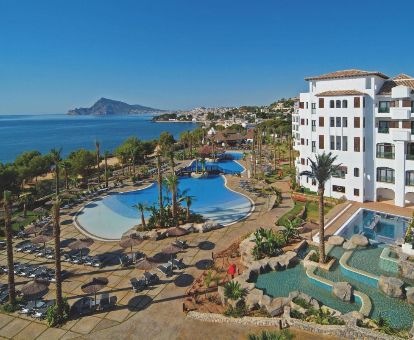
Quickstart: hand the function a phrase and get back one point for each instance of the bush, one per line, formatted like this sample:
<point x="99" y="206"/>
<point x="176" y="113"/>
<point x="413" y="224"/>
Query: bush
<point x="314" y="256"/>
<point x="267" y="243"/>
<point x="236" y="312"/>
<point x="302" y="302"/>
<point x="233" y="290"/>
<point x="52" y="317"/>
<point x="269" y="335"/>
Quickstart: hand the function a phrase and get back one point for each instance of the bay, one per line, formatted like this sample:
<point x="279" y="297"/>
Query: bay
<point x="19" y="133"/>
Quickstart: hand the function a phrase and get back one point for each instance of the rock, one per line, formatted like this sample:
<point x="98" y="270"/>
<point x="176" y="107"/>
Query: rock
<point x="406" y="269"/>
<point x="188" y="226"/>
<point x="409" y="292"/>
<point x="287" y="259"/>
<point x="276" y="306"/>
<point x="359" y="240"/>
<point x="220" y="292"/>
<point x="349" y="245"/>
<point x="336" y="240"/>
<point x="353" y="317"/>
<point x="253" y="298"/>
<point x="343" y="290"/>
<point x="273" y="263"/>
<point x="391" y="286"/>
<point x="246" y="251"/>
<point x="265" y="300"/>
<point x="314" y="303"/>
<point x="210" y="225"/>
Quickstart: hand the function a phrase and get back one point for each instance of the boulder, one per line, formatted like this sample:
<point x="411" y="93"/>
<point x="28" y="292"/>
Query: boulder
<point x="359" y="240"/>
<point x="352" y="318"/>
<point x="253" y="298"/>
<point x="336" y="240"/>
<point x="246" y="251"/>
<point x="391" y="286"/>
<point x="276" y="306"/>
<point x="265" y="300"/>
<point x="406" y="269"/>
<point x="287" y="259"/>
<point x="343" y="290"/>
<point x="409" y="292"/>
<point x="273" y="263"/>
<point x="348" y="245"/>
<point x="314" y="303"/>
<point x="210" y="225"/>
<point x="188" y="226"/>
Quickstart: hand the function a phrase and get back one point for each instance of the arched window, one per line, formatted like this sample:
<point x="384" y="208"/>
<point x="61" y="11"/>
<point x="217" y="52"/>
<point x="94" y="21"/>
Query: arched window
<point x="338" y="104"/>
<point x="385" y="175"/>
<point x="345" y="104"/>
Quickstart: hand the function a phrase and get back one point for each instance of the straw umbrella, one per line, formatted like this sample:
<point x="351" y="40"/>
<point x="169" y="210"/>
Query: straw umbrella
<point x="171" y="250"/>
<point x="93" y="287"/>
<point x="81" y="244"/>
<point x="130" y="242"/>
<point x="176" y="231"/>
<point x="146" y="264"/>
<point x="33" y="229"/>
<point x="34" y="289"/>
<point x="42" y="239"/>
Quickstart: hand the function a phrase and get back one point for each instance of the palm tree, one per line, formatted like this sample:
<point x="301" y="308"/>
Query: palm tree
<point x="172" y="163"/>
<point x="56" y="159"/>
<point x="24" y="200"/>
<point x="10" y="263"/>
<point x="141" y="207"/>
<point x="65" y="165"/>
<point x="106" y="155"/>
<point x="172" y="182"/>
<point x="98" y="157"/>
<point x="188" y="202"/>
<point x="321" y="171"/>
<point x="58" y="272"/>
<point x="159" y="181"/>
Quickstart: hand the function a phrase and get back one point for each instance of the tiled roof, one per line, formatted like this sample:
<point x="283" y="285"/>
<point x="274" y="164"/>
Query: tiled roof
<point x="401" y="79"/>
<point x="347" y="74"/>
<point x="340" y="93"/>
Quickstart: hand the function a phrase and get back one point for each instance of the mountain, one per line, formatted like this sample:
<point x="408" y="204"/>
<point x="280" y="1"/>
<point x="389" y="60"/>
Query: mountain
<point x="104" y="107"/>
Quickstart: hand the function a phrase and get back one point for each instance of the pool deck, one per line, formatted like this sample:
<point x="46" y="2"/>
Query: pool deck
<point x="155" y="313"/>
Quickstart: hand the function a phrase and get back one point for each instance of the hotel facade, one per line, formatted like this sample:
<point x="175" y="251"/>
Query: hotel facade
<point x="366" y="119"/>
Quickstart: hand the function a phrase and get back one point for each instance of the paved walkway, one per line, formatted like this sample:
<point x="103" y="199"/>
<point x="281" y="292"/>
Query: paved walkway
<point x="154" y="313"/>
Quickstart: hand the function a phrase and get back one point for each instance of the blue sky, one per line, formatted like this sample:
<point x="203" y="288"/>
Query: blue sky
<point x="176" y="54"/>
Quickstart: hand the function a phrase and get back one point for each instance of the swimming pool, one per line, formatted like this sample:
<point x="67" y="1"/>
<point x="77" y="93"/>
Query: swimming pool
<point x="377" y="226"/>
<point x="111" y="216"/>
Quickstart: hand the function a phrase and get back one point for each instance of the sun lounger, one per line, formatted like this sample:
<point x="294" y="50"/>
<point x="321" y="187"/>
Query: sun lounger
<point x="179" y="264"/>
<point x="181" y="244"/>
<point x="138" y="285"/>
<point x="108" y="303"/>
<point x="151" y="278"/>
<point x="166" y="269"/>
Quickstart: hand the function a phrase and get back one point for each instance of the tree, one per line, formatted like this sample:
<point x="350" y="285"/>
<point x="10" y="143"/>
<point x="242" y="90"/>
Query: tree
<point x="9" y="178"/>
<point x="188" y="201"/>
<point x="25" y="200"/>
<point x="58" y="271"/>
<point x="106" y="155"/>
<point x="141" y="207"/>
<point x="159" y="182"/>
<point x="172" y="182"/>
<point x="9" y="244"/>
<point x="98" y="158"/>
<point x="166" y="142"/>
<point x="82" y="162"/>
<point x="130" y="152"/>
<point x="65" y="165"/>
<point x="56" y="159"/>
<point x="321" y="170"/>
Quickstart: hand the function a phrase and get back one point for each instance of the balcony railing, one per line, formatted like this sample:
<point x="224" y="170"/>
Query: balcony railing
<point x="383" y="130"/>
<point x="388" y="155"/>
<point x="386" y="179"/>
<point x="409" y="157"/>
<point x="383" y="110"/>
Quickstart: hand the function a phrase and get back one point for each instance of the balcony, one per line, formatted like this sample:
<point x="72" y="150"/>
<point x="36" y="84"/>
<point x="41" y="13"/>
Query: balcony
<point x="384" y="129"/>
<point x="401" y="113"/>
<point x="409" y="157"/>
<point x="387" y="155"/>
<point x="401" y="135"/>
<point x="400" y="91"/>
<point x="386" y="179"/>
<point x="313" y="111"/>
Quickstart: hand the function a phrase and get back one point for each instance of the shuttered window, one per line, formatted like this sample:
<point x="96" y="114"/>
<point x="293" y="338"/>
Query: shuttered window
<point x="321" y="121"/>
<point x="357" y="144"/>
<point x="301" y="105"/>
<point x="357" y="122"/>
<point x="357" y="102"/>
<point x="321" y="142"/>
<point x="321" y="103"/>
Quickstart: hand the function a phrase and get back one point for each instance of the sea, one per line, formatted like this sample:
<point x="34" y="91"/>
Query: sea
<point x="19" y="133"/>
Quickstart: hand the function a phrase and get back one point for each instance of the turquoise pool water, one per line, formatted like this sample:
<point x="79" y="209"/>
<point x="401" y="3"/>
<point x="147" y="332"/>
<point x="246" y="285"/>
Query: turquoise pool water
<point x="113" y="215"/>
<point x="377" y="226"/>
<point x="280" y="283"/>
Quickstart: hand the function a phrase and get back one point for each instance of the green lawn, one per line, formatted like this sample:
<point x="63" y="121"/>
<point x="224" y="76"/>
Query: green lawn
<point x="31" y="216"/>
<point x="312" y="212"/>
<point x="293" y="212"/>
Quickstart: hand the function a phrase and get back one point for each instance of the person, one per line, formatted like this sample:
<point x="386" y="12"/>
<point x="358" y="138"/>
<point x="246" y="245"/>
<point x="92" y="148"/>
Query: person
<point x="232" y="270"/>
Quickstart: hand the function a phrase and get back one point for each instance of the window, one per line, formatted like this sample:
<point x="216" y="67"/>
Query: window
<point x="368" y="83"/>
<point x="341" y="172"/>
<point x="332" y="142"/>
<point x="313" y="110"/>
<point x="357" y="122"/>
<point x="409" y="178"/>
<point x="321" y="103"/>
<point x="332" y="104"/>
<point x="338" y="121"/>
<point x="338" y="188"/>
<point x="313" y="146"/>
<point x="332" y="122"/>
<point x="357" y="102"/>
<point x="385" y="150"/>
<point x="307" y="141"/>
<point x="384" y="107"/>
<point x="302" y="122"/>
<point x="412" y="106"/>
<point x="345" y="104"/>
<point x="321" y="142"/>
<point x="302" y="161"/>
<point x="313" y="181"/>
<point x="356" y="192"/>
<point x="302" y="141"/>
<point x="345" y="122"/>
<point x="412" y="127"/>
<point x="301" y="105"/>
<point x="313" y="125"/>
<point x="338" y="104"/>
<point x="363" y="122"/>
<point x="357" y="144"/>
<point x="356" y="172"/>
<point x="344" y="143"/>
<point x="406" y="103"/>
<point x="307" y="105"/>
<point x="410" y="151"/>
<point x="321" y="121"/>
<point x="385" y="175"/>
<point x="383" y="126"/>
<point x="338" y="142"/>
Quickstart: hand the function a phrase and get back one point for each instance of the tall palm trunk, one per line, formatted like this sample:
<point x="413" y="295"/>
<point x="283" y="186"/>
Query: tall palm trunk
<point x="58" y="270"/>
<point x="321" y="191"/>
<point x="57" y="178"/>
<point x="66" y="178"/>
<point x="174" y="201"/>
<point x="190" y="146"/>
<point x="9" y="245"/>
<point x="188" y="212"/>
<point x="275" y="156"/>
<point x="98" y="156"/>
<point x="143" y="219"/>
<point x="159" y="181"/>
<point x="106" y="170"/>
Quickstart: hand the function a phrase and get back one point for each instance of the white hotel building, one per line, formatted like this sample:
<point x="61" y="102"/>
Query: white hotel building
<point x="367" y="120"/>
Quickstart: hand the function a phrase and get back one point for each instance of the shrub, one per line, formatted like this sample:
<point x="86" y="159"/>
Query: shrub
<point x="302" y="302"/>
<point x="233" y="290"/>
<point x="52" y="317"/>
<point x="267" y="243"/>
<point x="314" y="256"/>
<point x="236" y="312"/>
<point x="275" y="335"/>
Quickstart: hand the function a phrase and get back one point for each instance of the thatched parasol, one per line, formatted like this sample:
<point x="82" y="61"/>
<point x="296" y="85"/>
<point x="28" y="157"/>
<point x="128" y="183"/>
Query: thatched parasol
<point x="176" y="231"/>
<point x="34" y="289"/>
<point x="93" y="287"/>
<point x="81" y="244"/>
<point x="146" y="264"/>
<point x="33" y="229"/>
<point x="130" y="242"/>
<point x="171" y="250"/>
<point x="42" y="239"/>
